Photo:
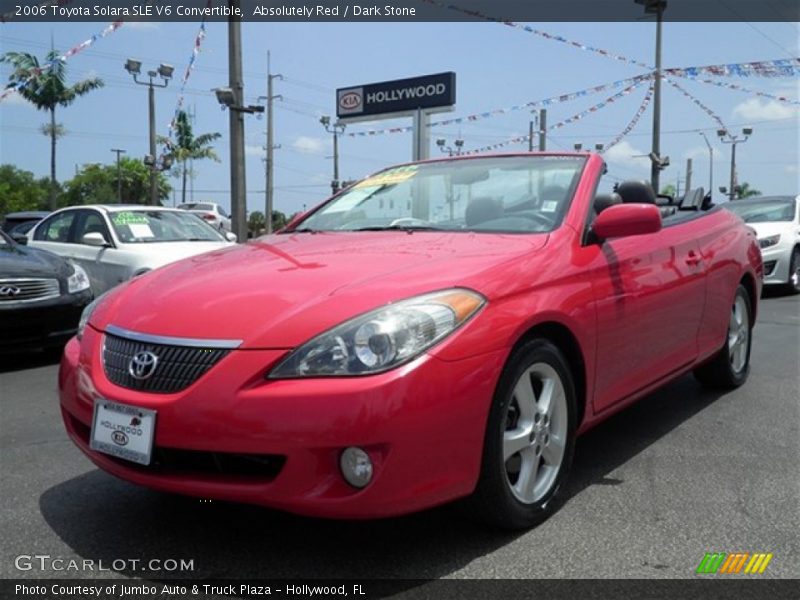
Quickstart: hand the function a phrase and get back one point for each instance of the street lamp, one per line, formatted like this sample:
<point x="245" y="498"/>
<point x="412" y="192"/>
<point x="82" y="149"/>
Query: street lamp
<point x="442" y="144"/>
<point x="164" y="71"/>
<point x="726" y="138"/>
<point x="336" y="129"/>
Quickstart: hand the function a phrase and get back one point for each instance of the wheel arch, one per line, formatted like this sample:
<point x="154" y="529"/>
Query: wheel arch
<point x="566" y="341"/>
<point x="749" y="283"/>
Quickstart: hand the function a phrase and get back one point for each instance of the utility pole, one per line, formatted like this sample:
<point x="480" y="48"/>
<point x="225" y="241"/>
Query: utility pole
<point x="119" y="151"/>
<point x="688" y="174"/>
<point x="531" y="123"/>
<point x="657" y="7"/>
<point x="236" y="85"/>
<point x="542" y="130"/>
<point x="336" y="129"/>
<point x="710" y="164"/>
<point x="270" y="163"/>
<point x="726" y="138"/>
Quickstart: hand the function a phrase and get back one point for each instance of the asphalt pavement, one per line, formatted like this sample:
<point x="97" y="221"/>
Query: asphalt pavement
<point x="683" y="472"/>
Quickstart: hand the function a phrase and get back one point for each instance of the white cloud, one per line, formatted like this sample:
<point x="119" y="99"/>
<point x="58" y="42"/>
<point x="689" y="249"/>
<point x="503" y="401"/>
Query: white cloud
<point x="309" y="145"/>
<point x="697" y="152"/>
<point x="755" y="109"/>
<point x="254" y="150"/>
<point x="626" y="155"/>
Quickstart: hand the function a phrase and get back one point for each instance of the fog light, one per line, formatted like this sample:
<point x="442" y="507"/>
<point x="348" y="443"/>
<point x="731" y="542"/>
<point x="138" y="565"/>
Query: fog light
<point x="356" y="467"/>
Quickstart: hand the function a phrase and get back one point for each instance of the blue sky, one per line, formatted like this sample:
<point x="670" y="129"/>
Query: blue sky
<point x="496" y="67"/>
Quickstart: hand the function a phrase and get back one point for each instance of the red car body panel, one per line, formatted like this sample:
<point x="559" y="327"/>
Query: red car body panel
<point x="640" y="311"/>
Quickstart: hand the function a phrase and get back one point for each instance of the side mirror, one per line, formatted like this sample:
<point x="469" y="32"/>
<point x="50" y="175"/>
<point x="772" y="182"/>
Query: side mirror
<point x="94" y="238"/>
<point x="230" y="236"/>
<point x="20" y="238"/>
<point x="623" y="220"/>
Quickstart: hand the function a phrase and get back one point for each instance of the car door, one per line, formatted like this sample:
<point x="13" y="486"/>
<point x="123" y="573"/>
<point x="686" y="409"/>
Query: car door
<point x="54" y="233"/>
<point x="102" y="263"/>
<point x="649" y="294"/>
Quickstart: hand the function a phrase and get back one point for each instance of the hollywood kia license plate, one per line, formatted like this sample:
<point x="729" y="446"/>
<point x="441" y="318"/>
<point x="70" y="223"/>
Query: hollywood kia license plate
<point x="123" y="431"/>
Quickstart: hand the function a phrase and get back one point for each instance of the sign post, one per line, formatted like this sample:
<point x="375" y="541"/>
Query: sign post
<point x="415" y="97"/>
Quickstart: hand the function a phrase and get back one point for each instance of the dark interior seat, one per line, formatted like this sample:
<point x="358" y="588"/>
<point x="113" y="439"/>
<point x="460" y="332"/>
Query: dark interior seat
<point x="603" y="201"/>
<point x="483" y="209"/>
<point x="640" y="192"/>
<point x="693" y="200"/>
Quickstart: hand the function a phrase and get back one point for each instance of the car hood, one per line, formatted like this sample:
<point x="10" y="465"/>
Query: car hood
<point x="281" y="290"/>
<point x="772" y="228"/>
<point x="20" y="261"/>
<point x="158" y="254"/>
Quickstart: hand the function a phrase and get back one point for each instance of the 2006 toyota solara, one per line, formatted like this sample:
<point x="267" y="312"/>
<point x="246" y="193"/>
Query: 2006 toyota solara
<point x="440" y="330"/>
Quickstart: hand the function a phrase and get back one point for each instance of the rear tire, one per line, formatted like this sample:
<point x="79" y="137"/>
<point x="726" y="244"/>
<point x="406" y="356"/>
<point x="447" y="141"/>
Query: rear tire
<point x="731" y="365"/>
<point x="529" y="441"/>
<point x="793" y="285"/>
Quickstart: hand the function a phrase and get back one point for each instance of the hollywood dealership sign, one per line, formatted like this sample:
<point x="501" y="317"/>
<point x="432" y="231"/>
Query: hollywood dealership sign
<point x="398" y="96"/>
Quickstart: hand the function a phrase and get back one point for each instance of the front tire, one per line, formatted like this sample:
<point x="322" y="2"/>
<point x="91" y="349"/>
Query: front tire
<point x="530" y="439"/>
<point x="731" y="365"/>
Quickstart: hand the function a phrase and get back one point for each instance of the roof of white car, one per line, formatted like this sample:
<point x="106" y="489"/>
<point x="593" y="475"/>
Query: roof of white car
<point x="125" y="207"/>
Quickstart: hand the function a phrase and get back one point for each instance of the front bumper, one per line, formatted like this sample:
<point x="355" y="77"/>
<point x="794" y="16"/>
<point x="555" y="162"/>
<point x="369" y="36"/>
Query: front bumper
<point x="777" y="261"/>
<point x="423" y="425"/>
<point x="40" y="325"/>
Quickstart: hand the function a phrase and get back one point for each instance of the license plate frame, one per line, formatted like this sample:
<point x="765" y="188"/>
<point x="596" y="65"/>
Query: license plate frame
<point x="123" y="431"/>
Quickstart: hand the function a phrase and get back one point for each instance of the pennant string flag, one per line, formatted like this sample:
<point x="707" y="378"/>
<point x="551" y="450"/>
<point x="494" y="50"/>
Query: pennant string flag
<point x="702" y="106"/>
<point x="633" y="122"/>
<point x="576" y="117"/>
<point x="782" y="67"/>
<point x="34" y="74"/>
<point x="526" y="106"/>
<point x="739" y="88"/>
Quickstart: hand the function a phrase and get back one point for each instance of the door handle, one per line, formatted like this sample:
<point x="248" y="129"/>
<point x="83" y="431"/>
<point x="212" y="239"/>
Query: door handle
<point x="693" y="259"/>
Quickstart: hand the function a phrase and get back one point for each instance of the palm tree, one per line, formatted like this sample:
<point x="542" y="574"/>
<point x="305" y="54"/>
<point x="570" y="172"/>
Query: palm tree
<point x="745" y="191"/>
<point x="46" y="89"/>
<point x="187" y="147"/>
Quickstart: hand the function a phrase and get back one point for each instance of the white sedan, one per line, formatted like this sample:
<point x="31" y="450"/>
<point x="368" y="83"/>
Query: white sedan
<point x="210" y="212"/>
<point x="776" y="220"/>
<point x="116" y="242"/>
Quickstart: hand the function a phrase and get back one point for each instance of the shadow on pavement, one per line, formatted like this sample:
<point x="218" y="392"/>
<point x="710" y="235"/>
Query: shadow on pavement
<point x="103" y="518"/>
<point x="29" y="360"/>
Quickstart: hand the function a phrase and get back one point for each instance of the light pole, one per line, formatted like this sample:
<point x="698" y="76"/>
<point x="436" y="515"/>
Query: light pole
<point x="336" y="129"/>
<point x="710" y="164"/>
<point x="118" y="151"/>
<point x="134" y="67"/>
<point x="442" y="144"/>
<point x="726" y="138"/>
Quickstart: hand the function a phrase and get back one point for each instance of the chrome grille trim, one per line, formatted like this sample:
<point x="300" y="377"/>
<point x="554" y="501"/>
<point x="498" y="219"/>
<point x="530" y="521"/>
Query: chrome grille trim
<point x="30" y="290"/>
<point x="179" y="364"/>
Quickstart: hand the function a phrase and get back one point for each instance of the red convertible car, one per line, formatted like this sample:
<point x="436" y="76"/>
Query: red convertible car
<point x="440" y="330"/>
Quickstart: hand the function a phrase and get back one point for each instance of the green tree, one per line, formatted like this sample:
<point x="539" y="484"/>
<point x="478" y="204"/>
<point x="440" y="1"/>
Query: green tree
<point x="97" y="184"/>
<point x="669" y="190"/>
<point x="20" y="190"/>
<point x="745" y="191"/>
<point x="279" y="220"/>
<point x="47" y="89"/>
<point x="187" y="147"/>
<point x="255" y="223"/>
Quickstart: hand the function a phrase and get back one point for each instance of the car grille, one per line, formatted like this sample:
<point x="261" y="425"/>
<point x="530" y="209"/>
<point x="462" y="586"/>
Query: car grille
<point x="769" y="267"/>
<point x="27" y="290"/>
<point x="176" y="367"/>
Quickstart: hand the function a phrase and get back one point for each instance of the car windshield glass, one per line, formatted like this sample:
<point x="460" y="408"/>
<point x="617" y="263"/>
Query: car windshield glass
<point x="197" y="206"/>
<point x="148" y="226"/>
<point x="513" y="194"/>
<point x="763" y="211"/>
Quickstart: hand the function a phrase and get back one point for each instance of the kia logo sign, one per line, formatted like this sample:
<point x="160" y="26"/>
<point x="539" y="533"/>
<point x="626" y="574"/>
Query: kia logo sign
<point x="119" y="438"/>
<point x="350" y="101"/>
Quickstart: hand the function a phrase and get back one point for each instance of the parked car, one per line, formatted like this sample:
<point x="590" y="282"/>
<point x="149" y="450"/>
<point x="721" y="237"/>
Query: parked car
<point x="116" y="242"/>
<point x="18" y="224"/>
<point x="776" y="220"/>
<point x="41" y="297"/>
<point x="439" y="331"/>
<point x="210" y="212"/>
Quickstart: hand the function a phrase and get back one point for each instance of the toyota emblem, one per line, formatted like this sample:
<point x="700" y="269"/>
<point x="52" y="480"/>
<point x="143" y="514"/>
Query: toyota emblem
<point x="142" y="365"/>
<point x="9" y="291"/>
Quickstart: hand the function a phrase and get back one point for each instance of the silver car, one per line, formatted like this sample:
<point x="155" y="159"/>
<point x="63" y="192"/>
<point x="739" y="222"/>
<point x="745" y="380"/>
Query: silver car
<point x="116" y="242"/>
<point x="776" y="220"/>
<point x="210" y="212"/>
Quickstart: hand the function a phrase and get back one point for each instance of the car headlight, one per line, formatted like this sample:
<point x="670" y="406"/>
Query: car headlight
<point x="87" y="313"/>
<point x="769" y="241"/>
<point x="382" y="339"/>
<point x="78" y="281"/>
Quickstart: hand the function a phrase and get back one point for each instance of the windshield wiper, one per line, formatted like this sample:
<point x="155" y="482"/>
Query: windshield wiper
<point x="303" y="230"/>
<point x="408" y="228"/>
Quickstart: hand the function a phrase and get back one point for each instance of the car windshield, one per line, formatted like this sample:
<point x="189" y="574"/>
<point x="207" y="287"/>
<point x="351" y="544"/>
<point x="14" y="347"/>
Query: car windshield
<point x="196" y="206"/>
<point x="148" y="226"/>
<point x="763" y="211"/>
<point x="512" y="194"/>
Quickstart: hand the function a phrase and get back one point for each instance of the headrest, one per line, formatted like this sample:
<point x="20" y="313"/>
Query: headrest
<point x="603" y="201"/>
<point x="483" y="209"/>
<point x="640" y="192"/>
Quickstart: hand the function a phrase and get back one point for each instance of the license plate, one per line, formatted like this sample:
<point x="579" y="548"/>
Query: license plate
<point x="123" y="431"/>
